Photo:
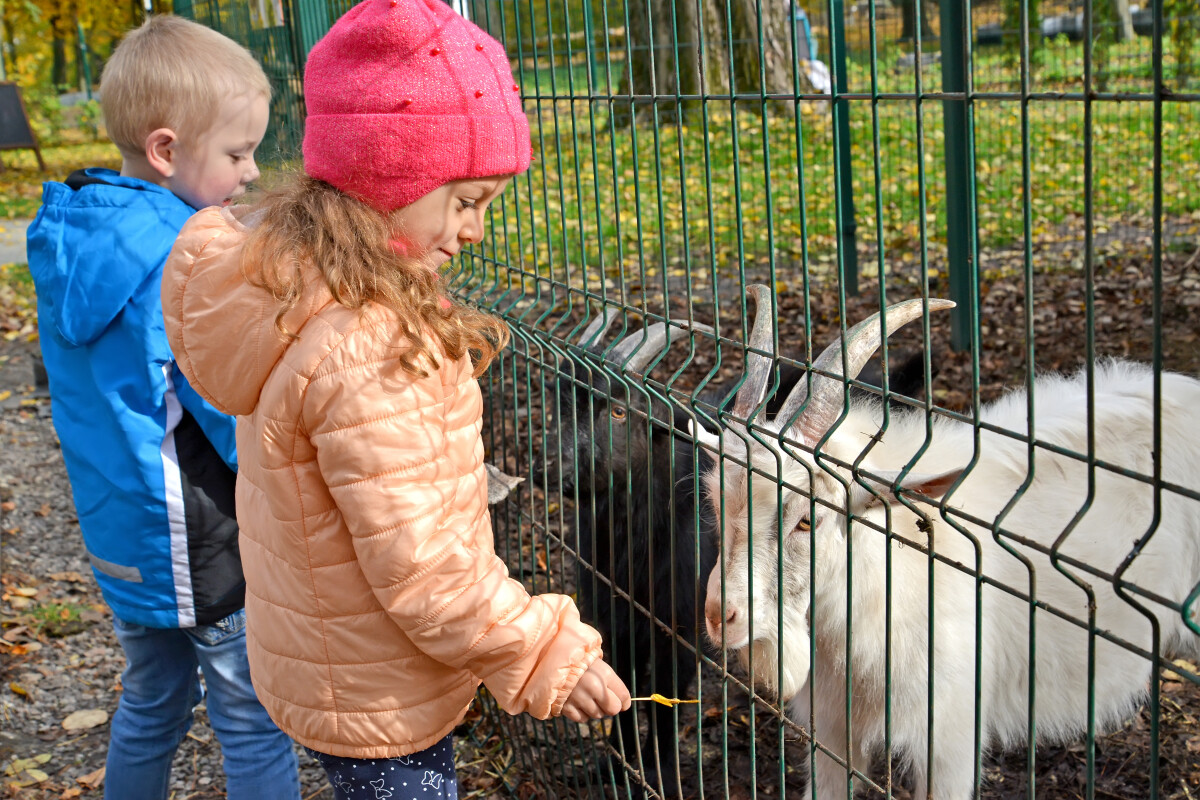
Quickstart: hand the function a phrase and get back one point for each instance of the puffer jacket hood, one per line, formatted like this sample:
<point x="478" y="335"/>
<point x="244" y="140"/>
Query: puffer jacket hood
<point x="219" y="300"/>
<point x="375" y="603"/>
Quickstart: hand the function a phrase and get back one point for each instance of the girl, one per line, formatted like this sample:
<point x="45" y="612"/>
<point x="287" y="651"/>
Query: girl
<point x="375" y="603"/>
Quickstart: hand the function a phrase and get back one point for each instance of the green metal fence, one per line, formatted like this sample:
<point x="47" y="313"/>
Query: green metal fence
<point x="684" y="151"/>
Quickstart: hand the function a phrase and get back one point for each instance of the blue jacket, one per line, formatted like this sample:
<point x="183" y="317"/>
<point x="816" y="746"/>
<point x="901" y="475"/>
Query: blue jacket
<point x="151" y="463"/>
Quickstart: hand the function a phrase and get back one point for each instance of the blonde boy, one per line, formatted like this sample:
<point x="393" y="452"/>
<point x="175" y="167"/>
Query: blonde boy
<point x="152" y="465"/>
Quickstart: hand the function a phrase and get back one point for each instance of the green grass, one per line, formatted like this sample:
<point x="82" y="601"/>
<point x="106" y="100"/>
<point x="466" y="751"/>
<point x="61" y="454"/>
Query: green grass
<point x="56" y="620"/>
<point x="21" y="181"/>
<point x="688" y="198"/>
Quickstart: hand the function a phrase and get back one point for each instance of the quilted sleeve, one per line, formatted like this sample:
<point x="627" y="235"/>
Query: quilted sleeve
<point x="402" y="458"/>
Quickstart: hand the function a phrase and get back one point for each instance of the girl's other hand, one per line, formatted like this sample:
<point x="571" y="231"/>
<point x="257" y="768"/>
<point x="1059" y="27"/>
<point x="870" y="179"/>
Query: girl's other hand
<point x="599" y="693"/>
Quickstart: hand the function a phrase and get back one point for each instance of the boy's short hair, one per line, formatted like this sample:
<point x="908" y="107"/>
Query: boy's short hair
<point x="173" y="73"/>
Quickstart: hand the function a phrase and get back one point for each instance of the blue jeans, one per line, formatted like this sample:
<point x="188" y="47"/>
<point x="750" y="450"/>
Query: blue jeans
<point x="162" y="685"/>
<point x="425" y="775"/>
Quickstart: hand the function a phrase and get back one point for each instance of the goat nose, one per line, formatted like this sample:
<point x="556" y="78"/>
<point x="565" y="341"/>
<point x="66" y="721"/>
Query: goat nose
<point x="714" y="615"/>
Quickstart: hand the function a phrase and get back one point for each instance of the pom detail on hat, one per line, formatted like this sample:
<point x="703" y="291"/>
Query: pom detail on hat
<point x="374" y="64"/>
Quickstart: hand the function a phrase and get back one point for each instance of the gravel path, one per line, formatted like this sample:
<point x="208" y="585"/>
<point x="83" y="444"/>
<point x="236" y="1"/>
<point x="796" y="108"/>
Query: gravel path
<point x="75" y="664"/>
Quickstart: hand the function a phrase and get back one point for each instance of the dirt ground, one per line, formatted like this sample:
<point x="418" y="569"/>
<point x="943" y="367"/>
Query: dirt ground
<point x="732" y="743"/>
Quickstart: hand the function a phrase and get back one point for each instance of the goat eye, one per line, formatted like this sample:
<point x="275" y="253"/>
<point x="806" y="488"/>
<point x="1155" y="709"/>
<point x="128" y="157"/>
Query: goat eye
<point x="804" y="524"/>
<point x="618" y="412"/>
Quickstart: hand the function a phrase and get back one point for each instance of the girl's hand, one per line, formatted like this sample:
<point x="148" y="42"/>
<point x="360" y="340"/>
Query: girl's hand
<point x="599" y="693"/>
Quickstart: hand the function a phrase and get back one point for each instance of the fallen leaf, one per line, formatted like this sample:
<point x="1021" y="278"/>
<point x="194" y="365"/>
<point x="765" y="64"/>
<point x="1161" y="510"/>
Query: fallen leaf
<point x="92" y="779"/>
<point x="8" y="505"/>
<point x="24" y="591"/>
<point x="12" y="633"/>
<point x="87" y="718"/>
<point x="44" y="511"/>
<point x="73" y="791"/>
<point x="17" y="688"/>
<point x="23" y="764"/>
<point x="69" y="577"/>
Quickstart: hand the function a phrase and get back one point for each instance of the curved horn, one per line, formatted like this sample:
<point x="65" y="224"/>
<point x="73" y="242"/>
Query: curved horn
<point x="758" y="367"/>
<point x="593" y="334"/>
<point x="861" y="343"/>
<point x="641" y="348"/>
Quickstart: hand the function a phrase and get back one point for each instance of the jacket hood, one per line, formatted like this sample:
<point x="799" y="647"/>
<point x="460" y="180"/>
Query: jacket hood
<point x="130" y="221"/>
<point x="222" y="330"/>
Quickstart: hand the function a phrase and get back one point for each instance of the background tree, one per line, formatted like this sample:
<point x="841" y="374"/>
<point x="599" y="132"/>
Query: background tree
<point x="1012" y="30"/>
<point x="1112" y="23"/>
<point x="910" y="10"/>
<point x="693" y="47"/>
<point x="1183" y="20"/>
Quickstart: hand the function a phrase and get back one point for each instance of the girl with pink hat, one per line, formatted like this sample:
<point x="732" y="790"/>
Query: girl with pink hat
<point x="375" y="603"/>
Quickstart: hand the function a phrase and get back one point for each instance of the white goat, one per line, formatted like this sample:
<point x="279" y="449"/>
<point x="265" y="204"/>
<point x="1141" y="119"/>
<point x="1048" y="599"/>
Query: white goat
<point x="985" y="503"/>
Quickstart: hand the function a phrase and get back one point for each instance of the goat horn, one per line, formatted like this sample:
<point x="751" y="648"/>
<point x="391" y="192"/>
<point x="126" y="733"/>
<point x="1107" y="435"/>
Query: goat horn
<point x="758" y="367"/>
<point x="593" y="334"/>
<point x="644" y="346"/>
<point x="861" y="342"/>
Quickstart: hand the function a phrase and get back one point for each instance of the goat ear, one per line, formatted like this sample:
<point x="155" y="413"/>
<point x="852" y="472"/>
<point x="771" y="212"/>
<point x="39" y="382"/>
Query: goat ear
<point x="932" y="486"/>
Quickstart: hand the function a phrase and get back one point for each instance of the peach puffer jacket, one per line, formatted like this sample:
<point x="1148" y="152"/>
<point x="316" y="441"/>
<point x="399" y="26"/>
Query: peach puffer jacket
<point x="375" y="602"/>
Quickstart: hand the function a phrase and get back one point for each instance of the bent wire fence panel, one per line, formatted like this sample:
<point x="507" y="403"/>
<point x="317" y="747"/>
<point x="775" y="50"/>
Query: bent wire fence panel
<point x="1036" y="162"/>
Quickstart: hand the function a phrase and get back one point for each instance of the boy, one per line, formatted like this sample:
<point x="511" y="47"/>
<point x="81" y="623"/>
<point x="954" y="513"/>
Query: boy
<point x="151" y="464"/>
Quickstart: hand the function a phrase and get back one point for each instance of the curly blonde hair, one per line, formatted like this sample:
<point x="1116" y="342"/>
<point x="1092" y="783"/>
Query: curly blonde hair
<point x="307" y="221"/>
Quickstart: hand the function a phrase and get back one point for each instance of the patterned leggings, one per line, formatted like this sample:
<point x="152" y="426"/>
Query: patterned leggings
<point x="427" y="775"/>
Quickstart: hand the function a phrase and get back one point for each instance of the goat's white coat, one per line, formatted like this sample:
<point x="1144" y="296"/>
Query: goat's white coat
<point x="1121" y="511"/>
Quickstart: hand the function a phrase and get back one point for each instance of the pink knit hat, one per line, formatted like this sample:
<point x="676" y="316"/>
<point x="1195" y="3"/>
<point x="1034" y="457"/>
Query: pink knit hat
<point x="406" y="95"/>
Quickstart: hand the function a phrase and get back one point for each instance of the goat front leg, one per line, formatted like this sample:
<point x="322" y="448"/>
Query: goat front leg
<point x="829" y="721"/>
<point x="951" y="774"/>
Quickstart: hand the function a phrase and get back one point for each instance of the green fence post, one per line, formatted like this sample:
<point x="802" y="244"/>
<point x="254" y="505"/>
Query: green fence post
<point x="84" y="58"/>
<point x="960" y="171"/>
<point x="847" y="227"/>
<point x="310" y="21"/>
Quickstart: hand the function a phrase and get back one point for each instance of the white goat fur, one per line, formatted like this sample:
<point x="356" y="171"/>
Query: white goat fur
<point x="1120" y="513"/>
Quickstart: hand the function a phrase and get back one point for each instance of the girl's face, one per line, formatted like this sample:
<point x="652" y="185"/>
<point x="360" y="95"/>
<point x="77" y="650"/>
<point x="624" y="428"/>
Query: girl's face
<point x="434" y="228"/>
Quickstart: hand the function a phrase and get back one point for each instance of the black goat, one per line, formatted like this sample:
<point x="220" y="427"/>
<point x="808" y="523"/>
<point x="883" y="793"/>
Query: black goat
<point x="623" y="452"/>
<point x="626" y="455"/>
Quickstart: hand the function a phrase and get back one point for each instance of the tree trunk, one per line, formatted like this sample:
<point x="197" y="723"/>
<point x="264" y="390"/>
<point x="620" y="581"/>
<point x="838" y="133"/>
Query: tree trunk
<point x="1123" y="18"/>
<point x="909" y="10"/>
<point x="6" y="58"/>
<point x="58" y="68"/>
<point x="683" y="48"/>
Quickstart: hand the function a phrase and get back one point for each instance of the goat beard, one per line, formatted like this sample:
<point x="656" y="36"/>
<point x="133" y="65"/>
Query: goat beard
<point x="763" y="664"/>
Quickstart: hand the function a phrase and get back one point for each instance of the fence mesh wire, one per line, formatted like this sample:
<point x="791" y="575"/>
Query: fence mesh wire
<point x="1035" y="161"/>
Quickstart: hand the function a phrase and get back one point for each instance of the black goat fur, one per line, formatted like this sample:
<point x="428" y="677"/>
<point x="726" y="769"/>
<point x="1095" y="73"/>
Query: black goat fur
<point x="624" y="455"/>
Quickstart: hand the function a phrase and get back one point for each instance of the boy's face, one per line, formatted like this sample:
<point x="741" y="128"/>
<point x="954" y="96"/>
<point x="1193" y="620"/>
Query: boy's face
<point x="214" y="168"/>
<point x="435" y="227"/>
